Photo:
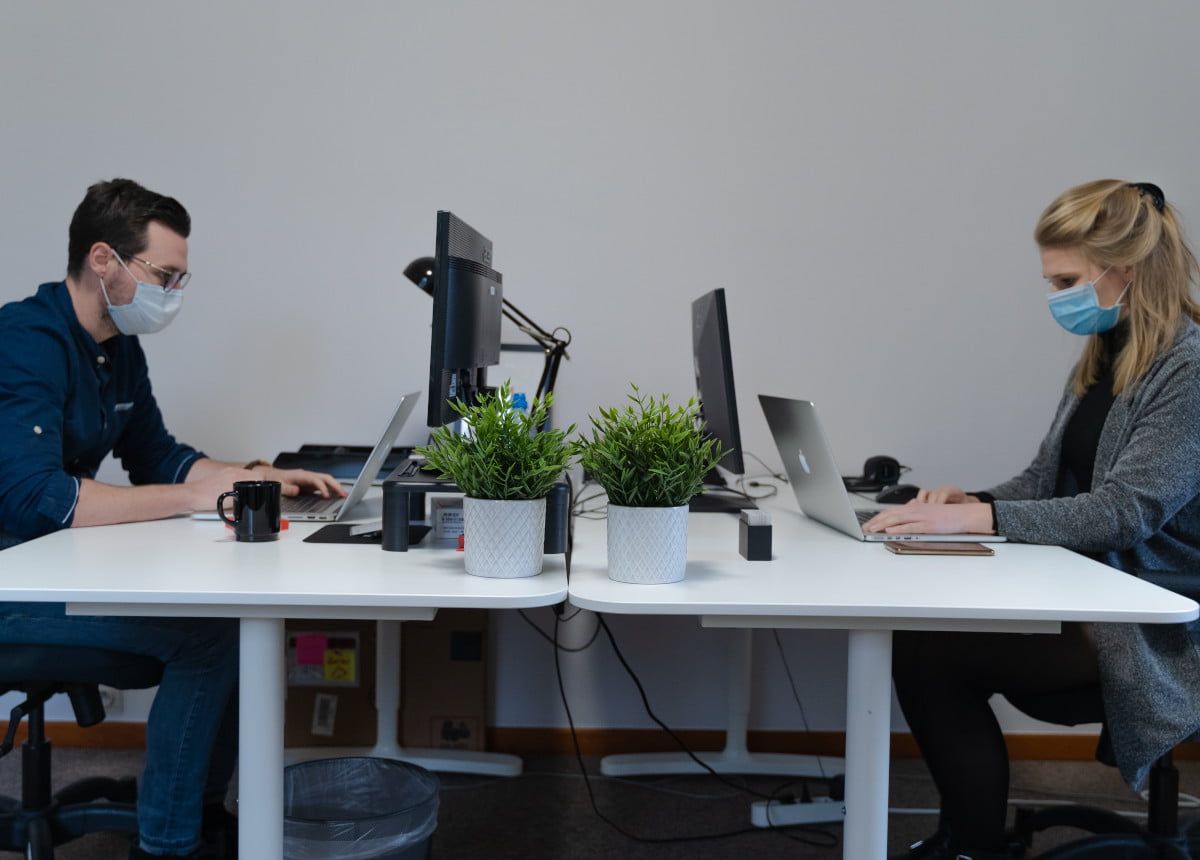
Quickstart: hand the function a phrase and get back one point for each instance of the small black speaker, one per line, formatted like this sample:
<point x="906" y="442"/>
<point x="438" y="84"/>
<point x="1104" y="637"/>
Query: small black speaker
<point x="558" y="518"/>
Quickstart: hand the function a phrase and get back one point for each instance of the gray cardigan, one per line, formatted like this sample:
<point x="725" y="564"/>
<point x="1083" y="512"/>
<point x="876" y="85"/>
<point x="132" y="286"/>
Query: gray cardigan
<point x="1141" y="516"/>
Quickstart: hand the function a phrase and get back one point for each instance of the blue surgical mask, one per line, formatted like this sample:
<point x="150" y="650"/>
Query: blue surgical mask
<point x="1077" y="308"/>
<point x="151" y="310"/>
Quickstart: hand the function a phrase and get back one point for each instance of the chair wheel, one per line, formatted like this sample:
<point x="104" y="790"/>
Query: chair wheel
<point x="41" y="841"/>
<point x="93" y="788"/>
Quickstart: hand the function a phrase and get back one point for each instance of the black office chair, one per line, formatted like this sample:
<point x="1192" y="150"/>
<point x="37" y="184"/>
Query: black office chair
<point x="1115" y="836"/>
<point x="40" y="820"/>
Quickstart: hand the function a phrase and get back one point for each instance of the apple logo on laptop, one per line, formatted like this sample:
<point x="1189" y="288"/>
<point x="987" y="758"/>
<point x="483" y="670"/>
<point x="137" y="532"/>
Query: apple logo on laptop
<point x="803" y="461"/>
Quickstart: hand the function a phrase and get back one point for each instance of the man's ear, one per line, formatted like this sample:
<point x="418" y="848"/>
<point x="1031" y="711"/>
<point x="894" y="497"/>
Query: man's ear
<point x="99" y="256"/>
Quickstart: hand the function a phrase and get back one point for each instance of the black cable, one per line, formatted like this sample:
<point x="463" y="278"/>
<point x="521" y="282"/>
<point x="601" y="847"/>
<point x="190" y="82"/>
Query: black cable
<point x="552" y="640"/>
<point x="737" y="492"/>
<point x="587" y="781"/>
<point x="654" y="840"/>
<point x="670" y="732"/>
<point x="771" y="472"/>
<point x="578" y="508"/>
<point x="773" y="490"/>
<point x="796" y="695"/>
<point x="718" y="776"/>
<point x="678" y="740"/>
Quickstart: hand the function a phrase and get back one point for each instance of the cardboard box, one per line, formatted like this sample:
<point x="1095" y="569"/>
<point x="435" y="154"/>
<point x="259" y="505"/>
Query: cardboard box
<point x="330" y="683"/>
<point x="444" y="699"/>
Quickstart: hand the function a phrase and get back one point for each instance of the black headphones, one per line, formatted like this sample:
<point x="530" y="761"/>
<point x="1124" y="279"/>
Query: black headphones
<point x="878" y="472"/>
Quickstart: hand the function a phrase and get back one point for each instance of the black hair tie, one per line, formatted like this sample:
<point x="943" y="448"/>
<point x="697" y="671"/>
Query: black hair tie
<point x="1155" y="193"/>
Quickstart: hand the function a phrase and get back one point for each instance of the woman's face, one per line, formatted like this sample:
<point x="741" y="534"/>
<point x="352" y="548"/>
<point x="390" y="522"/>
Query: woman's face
<point x="1067" y="267"/>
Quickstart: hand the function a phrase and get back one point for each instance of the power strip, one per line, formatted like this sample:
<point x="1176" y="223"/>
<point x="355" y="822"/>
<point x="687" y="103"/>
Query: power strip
<point x="776" y="813"/>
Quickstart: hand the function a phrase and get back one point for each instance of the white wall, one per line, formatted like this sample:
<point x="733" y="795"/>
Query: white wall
<point x="861" y="177"/>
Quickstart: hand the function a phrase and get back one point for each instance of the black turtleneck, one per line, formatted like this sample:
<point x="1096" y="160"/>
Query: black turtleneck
<point x="1081" y="437"/>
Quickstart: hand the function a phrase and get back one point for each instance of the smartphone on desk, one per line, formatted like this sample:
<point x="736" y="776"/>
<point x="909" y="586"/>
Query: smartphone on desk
<point x="933" y="547"/>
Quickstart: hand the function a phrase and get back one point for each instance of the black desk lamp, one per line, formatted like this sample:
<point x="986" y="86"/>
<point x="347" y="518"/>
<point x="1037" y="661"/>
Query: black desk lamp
<point x="420" y="272"/>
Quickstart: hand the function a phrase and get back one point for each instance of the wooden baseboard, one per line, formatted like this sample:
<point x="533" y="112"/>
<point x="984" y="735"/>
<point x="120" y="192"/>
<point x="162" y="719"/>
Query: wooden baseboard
<point x="558" y="741"/>
<point x="533" y="741"/>
<point x="109" y="735"/>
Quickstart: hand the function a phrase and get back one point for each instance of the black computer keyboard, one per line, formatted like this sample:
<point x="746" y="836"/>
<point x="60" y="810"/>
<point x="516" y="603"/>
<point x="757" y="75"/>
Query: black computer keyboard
<point x="415" y="470"/>
<point x="416" y="467"/>
<point x="344" y="462"/>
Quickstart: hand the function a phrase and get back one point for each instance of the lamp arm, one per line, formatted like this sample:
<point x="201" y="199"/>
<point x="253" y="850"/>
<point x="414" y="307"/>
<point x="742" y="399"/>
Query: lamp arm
<point x="547" y="340"/>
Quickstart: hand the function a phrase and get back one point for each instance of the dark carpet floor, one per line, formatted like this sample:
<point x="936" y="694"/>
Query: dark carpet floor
<point x="547" y="813"/>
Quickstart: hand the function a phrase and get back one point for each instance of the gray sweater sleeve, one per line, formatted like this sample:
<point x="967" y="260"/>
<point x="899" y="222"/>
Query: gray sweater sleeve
<point x="1147" y="465"/>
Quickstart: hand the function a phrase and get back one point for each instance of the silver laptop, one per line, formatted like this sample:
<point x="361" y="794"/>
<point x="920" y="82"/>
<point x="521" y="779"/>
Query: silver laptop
<point x="313" y="508"/>
<point x="813" y="473"/>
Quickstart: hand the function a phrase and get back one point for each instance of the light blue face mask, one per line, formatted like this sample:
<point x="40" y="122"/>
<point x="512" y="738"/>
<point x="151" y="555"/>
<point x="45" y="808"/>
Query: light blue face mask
<point x="151" y="310"/>
<point x="1077" y="308"/>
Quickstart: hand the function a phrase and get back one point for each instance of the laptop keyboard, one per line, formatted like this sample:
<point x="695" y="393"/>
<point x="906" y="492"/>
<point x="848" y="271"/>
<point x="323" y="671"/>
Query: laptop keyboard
<point x="308" y="503"/>
<point x="865" y="514"/>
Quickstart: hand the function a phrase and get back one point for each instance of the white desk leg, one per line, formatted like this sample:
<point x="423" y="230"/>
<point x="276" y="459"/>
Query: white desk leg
<point x="260" y="744"/>
<point x="387" y="690"/>
<point x="387" y="704"/>
<point x="868" y="724"/>
<point x="734" y="758"/>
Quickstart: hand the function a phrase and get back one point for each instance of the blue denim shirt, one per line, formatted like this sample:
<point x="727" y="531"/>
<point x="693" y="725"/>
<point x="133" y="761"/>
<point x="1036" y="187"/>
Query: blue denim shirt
<point x="66" y="402"/>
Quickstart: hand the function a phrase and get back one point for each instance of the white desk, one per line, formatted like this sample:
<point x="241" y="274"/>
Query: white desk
<point x="820" y="578"/>
<point x="186" y="568"/>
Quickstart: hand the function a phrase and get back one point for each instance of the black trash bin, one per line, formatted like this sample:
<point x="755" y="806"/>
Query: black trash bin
<point x="358" y="809"/>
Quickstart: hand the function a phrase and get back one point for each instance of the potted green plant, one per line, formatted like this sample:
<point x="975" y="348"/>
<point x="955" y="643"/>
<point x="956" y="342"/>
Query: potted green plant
<point x="650" y="458"/>
<point x="505" y="467"/>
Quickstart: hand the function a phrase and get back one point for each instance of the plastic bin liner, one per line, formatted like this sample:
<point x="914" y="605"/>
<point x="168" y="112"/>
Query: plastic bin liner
<point x="357" y="809"/>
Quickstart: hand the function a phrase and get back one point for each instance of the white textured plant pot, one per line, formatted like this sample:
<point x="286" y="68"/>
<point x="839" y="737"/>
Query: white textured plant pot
<point x="647" y="545"/>
<point x="503" y="539"/>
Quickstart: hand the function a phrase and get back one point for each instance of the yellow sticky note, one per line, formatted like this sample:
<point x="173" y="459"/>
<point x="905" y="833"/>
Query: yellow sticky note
<point x="339" y="665"/>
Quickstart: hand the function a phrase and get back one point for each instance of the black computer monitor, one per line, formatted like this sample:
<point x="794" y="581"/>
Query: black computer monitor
<point x="467" y="303"/>
<point x="713" y="361"/>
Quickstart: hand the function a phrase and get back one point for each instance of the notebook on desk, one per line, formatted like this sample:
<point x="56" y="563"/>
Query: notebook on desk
<point x="814" y="476"/>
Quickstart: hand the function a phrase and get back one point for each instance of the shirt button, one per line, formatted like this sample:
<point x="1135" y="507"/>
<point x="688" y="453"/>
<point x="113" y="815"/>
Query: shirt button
<point x="100" y="359"/>
<point x="37" y="430"/>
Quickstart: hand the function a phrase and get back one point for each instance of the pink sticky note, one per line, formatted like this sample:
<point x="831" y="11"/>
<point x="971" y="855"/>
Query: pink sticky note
<point x="310" y="649"/>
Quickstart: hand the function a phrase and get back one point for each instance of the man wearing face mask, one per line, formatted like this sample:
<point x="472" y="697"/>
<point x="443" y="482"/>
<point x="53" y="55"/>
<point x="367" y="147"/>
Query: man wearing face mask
<point x="1117" y="478"/>
<point x="74" y="388"/>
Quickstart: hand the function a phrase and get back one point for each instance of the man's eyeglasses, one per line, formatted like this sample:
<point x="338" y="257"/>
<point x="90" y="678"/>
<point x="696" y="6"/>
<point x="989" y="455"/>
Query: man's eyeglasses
<point x="169" y="279"/>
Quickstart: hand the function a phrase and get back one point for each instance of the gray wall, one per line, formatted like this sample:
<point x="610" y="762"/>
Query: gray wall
<point x="861" y="177"/>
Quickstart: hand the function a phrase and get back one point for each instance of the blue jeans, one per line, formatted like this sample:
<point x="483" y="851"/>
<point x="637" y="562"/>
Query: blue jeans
<point x="191" y="733"/>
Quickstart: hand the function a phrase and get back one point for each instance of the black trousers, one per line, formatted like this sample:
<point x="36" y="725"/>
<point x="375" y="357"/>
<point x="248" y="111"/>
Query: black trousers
<point x="944" y="681"/>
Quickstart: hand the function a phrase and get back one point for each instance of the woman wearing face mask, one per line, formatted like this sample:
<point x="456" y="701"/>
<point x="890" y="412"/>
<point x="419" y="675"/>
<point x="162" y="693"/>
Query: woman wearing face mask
<point x="1116" y="478"/>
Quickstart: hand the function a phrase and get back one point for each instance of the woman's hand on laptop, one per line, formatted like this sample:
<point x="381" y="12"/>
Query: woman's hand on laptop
<point x="945" y="496"/>
<point x="925" y="518"/>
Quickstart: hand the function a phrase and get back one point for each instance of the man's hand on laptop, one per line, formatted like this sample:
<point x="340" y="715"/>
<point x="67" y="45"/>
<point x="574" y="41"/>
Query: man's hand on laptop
<point x="926" y="518"/>
<point x="297" y="481"/>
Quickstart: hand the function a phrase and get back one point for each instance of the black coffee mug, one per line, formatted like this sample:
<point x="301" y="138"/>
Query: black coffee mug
<point x="255" y="510"/>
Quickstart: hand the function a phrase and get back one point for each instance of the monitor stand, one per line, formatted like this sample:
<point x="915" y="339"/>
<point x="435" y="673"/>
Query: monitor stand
<point x="721" y="501"/>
